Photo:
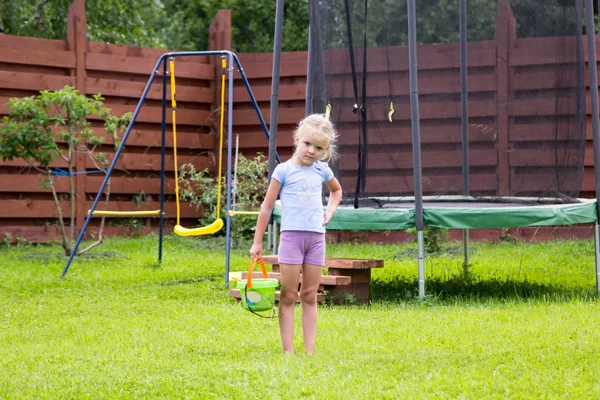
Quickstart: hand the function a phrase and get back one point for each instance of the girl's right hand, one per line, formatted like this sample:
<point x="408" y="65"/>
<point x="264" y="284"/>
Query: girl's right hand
<point x="256" y="251"/>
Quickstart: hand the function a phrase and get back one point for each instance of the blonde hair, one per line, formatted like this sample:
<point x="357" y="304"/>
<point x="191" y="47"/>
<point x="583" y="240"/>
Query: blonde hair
<point x="323" y="126"/>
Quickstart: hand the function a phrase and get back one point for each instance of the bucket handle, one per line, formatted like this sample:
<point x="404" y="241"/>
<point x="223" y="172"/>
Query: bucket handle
<point x="251" y="269"/>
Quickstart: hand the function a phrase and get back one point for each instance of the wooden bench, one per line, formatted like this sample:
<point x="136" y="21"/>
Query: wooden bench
<point x="359" y="272"/>
<point x="325" y="282"/>
<point x="235" y="293"/>
<point x="347" y="279"/>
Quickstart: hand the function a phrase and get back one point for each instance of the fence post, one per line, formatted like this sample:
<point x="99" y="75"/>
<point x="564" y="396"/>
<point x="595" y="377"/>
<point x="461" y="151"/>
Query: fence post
<point x="505" y="36"/>
<point x="219" y="38"/>
<point x="219" y="33"/>
<point x="77" y="42"/>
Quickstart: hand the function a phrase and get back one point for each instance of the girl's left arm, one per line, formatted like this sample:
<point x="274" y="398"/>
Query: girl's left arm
<point x="335" y="196"/>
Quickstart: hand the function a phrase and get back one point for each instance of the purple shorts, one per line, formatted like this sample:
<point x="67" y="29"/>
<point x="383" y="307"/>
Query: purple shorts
<point x="299" y="247"/>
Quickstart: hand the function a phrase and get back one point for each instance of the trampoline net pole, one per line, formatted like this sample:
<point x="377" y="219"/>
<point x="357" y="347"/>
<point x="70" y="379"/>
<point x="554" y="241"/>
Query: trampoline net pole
<point x="421" y="263"/>
<point x="597" y="254"/>
<point x="275" y="248"/>
<point x="464" y="100"/>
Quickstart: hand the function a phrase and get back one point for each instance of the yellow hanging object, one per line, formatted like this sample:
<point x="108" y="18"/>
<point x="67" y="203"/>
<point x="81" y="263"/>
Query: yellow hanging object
<point x="391" y="112"/>
<point x="328" y="111"/>
<point x="101" y="213"/>
<point x="204" y="230"/>
<point x="218" y="223"/>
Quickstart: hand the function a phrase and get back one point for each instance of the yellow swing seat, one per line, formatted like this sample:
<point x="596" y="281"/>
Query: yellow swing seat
<point x="204" y="230"/>
<point x="101" y="213"/>
<point x="218" y="223"/>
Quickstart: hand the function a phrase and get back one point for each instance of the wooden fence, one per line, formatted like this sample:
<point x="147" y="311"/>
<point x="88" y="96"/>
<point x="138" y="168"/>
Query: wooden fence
<point x="120" y="73"/>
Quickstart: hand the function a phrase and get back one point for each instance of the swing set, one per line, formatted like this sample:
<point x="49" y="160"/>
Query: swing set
<point x="228" y="58"/>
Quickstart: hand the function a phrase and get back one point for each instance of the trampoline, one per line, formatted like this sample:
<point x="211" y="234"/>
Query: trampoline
<point x="460" y="212"/>
<point x="456" y="117"/>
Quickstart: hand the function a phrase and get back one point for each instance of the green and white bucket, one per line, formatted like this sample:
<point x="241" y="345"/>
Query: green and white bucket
<point x="261" y="296"/>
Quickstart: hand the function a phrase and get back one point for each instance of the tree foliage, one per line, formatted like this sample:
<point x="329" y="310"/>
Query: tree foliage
<point x="173" y="24"/>
<point x="130" y="22"/>
<point x="33" y="126"/>
<point x="253" y="24"/>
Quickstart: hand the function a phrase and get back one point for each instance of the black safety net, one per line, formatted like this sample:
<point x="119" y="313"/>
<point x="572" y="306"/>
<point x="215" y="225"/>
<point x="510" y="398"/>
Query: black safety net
<point x="526" y="114"/>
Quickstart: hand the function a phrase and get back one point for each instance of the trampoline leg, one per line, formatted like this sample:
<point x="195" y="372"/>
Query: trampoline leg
<point x="275" y="237"/>
<point x="466" y="250"/>
<point x="269" y="237"/>
<point x="597" y="253"/>
<point x="421" y="263"/>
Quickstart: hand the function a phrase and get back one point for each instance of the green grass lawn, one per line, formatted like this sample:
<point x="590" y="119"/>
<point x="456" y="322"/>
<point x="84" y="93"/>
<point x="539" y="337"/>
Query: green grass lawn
<point x="523" y="324"/>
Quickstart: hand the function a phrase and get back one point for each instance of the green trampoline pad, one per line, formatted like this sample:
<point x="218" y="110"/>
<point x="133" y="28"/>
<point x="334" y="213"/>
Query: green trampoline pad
<point x="461" y="215"/>
<point x="366" y="219"/>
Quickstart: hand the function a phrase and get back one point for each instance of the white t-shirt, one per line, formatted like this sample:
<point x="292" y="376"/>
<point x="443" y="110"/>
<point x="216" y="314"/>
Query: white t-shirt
<point x="301" y="195"/>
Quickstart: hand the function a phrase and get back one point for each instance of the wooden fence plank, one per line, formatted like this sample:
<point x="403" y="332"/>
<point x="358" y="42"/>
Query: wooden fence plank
<point x="431" y="159"/>
<point x="428" y="110"/>
<point x="36" y="82"/>
<point x="47" y="210"/>
<point x="286" y="116"/>
<point x="430" y="134"/>
<point x="119" y="88"/>
<point x="544" y="79"/>
<point x="140" y="137"/>
<point x="545" y="131"/>
<point x="139" y="52"/>
<point x="130" y="185"/>
<point x="17" y="162"/>
<point x="43" y="57"/>
<point x="27" y="208"/>
<point x="287" y="92"/>
<point x="259" y="65"/>
<point x="170" y="208"/>
<point x="534" y="51"/>
<point x="22" y="42"/>
<point x="589" y="155"/>
<point x="29" y="183"/>
<point x="390" y="134"/>
<point x="548" y="106"/>
<point x="430" y="82"/>
<point x="432" y="184"/>
<point x="540" y="157"/>
<point x="541" y="183"/>
<point x="153" y="138"/>
<point x="144" y="66"/>
<point x="151" y="162"/>
<point x="431" y="57"/>
<point x="154" y="114"/>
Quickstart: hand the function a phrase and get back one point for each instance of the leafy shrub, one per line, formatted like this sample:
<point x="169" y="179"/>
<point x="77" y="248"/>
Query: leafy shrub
<point x="248" y="191"/>
<point x="55" y="125"/>
<point x="433" y="238"/>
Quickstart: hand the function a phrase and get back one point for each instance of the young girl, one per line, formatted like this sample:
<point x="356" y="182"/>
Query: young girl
<point x="299" y="182"/>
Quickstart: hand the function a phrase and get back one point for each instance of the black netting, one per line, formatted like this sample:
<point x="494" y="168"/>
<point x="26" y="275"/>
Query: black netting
<point x="547" y="135"/>
<point x="526" y="119"/>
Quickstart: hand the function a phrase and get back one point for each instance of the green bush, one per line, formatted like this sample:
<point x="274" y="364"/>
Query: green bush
<point x="433" y="238"/>
<point x="55" y="125"/>
<point x="248" y="191"/>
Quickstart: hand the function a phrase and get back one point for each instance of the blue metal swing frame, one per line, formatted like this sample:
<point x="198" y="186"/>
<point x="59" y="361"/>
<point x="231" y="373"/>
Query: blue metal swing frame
<point x="232" y="57"/>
